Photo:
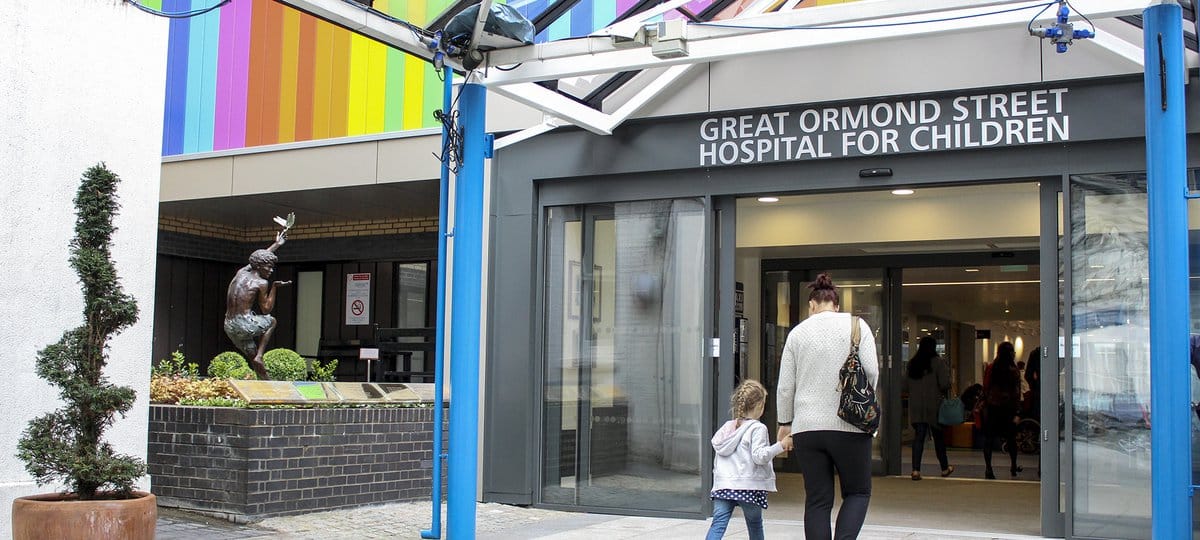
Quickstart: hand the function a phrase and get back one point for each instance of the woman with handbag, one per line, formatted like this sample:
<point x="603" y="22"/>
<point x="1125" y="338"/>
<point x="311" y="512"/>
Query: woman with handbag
<point x="1001" y="405"/>
<point x="813" y="398"/>
<point x="927" y="380"/>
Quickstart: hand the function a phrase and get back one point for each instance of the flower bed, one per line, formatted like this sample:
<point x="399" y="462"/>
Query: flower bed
<point x="248" y="464"/>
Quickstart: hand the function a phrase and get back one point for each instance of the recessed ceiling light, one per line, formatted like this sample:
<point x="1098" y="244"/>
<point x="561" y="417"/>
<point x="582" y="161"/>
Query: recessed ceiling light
<point x="1006" y="311"/>
<point x="768" y="199"/>
<point x="970" y="270"/>
<point x="902" y="192"/>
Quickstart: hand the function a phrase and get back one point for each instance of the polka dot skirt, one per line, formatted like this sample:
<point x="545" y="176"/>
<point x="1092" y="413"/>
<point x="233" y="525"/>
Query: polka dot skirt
<point x="757" y="497"/>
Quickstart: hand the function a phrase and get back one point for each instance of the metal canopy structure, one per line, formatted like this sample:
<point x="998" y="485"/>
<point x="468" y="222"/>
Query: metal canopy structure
<point x="569" y="79"/>
<point x="642" y="39"/>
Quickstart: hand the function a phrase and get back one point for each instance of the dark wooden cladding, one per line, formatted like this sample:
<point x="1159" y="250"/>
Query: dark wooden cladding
<point x="189" y="308"/>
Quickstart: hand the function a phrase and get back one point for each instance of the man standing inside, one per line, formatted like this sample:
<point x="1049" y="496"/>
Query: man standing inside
<point x="250" y="331"/>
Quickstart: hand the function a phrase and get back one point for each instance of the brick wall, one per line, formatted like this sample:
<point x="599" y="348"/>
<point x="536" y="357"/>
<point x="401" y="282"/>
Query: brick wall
<point x="249" y="464"/>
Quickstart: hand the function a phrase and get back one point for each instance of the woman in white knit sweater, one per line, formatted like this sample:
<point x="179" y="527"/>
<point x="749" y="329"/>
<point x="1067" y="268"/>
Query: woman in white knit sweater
<point x="807" y="405"/>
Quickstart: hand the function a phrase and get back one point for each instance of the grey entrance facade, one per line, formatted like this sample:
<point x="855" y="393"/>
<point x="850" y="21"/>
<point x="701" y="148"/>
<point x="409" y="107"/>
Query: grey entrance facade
<point x="613" y="267"/>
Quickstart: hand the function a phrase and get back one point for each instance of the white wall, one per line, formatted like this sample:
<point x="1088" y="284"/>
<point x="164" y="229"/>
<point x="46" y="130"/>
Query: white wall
<point x="82" y="82"/>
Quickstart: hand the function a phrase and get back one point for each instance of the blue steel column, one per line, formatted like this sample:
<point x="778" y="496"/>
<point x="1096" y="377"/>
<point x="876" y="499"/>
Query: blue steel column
<point x="464" y="329"/>
<point x="1166" y="167"/>
<point x="439" y="325"/>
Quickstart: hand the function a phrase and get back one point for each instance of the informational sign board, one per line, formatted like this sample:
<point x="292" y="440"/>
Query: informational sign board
<point x="313" y="393"/>
<point x="358" y="299"/>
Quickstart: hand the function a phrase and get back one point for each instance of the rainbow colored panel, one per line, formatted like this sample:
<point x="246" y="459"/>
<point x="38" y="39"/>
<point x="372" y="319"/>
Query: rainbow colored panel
<point x="256" y="72"/>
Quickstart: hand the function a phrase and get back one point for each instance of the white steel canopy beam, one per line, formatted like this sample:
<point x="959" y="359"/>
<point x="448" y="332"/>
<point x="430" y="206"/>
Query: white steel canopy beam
<point x="363" y="22"/>
<point x="708" y="43"/>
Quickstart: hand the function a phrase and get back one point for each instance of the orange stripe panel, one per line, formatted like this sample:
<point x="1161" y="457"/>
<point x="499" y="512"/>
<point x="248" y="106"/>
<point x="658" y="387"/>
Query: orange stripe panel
<point x="340" y="88"/>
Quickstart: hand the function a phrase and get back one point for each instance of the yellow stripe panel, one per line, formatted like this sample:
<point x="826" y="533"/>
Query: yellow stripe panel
<point x="376" y="85"/>
<point x="289" y="73"/>
<point x="414" y="75"/>
<point x="356" y="121"/>
<point x="377" y="60"/>
<point x="414" y="80"/>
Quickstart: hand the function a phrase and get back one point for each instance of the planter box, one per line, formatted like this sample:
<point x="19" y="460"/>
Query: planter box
<point x="248" y="464"/>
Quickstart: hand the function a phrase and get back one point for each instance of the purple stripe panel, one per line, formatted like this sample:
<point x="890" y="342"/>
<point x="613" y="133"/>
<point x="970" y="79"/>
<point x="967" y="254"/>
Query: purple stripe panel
<point x="233" y="66"/>
<point x="624" y="5"/>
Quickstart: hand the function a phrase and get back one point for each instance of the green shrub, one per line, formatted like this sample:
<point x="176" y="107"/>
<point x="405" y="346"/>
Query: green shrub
<point x="176" y="366"/>
<point x="285" y="365"/>
<point x="323" y="373"/>
<point x="230" y="365"/>
<point x="213" y="402"/>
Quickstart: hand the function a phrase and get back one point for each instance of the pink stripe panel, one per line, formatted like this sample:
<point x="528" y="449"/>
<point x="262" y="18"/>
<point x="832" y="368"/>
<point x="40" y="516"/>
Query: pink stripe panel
<point x="233" y="66"/>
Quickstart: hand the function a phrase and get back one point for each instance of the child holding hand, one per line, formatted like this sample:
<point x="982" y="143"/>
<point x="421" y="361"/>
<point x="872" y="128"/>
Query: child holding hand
<point x="742" y="471"/>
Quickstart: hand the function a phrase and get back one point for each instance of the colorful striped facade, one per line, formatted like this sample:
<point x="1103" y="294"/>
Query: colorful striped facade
<point x="256" y="72"/>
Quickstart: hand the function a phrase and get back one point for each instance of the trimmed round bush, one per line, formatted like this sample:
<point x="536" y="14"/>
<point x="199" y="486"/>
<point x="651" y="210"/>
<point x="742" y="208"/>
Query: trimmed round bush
<point x="285" y="365"/>
<point x="230" y="365"/>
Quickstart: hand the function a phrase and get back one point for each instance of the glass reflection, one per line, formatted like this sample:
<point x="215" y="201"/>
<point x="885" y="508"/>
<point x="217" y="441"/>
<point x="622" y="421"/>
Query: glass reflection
<point x="623" y="339"/>
<point x="1111" y="356"/>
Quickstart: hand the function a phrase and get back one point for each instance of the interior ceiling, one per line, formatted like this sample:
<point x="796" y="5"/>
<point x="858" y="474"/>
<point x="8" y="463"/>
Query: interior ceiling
<point x="993" y="295"/>
<point x="998" y="296"/>
<point x="396" y="200"/>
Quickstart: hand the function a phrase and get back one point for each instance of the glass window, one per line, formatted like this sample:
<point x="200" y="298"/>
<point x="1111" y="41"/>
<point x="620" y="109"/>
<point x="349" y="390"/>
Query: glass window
<point x="623" y="343"/>
<point x="1110" y="342"/>
<point x="309" y="288"/>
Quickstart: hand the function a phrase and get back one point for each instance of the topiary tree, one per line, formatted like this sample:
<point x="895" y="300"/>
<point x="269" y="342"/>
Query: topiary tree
<point x="230" y="365"/>
<point x="67" y="444"/>
<point x="285" y="365"/>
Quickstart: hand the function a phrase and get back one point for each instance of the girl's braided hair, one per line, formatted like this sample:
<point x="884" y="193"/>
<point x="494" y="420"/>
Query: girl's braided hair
<point x="746" y="397"/>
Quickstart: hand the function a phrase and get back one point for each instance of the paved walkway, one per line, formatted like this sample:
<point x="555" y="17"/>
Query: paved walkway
<point x="496" y="522"/>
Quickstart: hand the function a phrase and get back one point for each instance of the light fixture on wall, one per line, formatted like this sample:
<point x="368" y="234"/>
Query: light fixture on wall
<point x="768" y="199"/>
<point x="902" y="192"/>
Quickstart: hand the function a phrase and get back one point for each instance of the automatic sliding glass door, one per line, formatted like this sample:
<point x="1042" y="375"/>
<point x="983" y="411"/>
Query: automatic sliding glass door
<point x="623" y="347"/>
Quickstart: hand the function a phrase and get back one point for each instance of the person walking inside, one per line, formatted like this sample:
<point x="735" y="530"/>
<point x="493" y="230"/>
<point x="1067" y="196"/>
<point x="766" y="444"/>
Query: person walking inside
<point x="807" y="409"/>
<point x="927" y="381"/>
<point x="1001" y="407"/>
<point x="742" y="471"/>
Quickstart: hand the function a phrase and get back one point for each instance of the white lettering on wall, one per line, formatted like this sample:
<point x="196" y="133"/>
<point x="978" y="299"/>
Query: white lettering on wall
<point x="920" y="125"/>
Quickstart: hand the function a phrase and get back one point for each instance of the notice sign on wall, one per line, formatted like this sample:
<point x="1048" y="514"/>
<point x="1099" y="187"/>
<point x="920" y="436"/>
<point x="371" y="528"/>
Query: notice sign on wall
<point x="358" y="299"/>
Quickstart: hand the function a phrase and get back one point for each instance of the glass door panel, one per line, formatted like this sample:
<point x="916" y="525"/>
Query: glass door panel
<point x="625" y="327"/>
<point x="1110" y="356"/>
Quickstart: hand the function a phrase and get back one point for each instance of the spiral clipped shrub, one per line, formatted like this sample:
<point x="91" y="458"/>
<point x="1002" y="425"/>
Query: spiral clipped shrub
<point x="285" y="365"/>
<point x="230" y="365"/>
<point x="68" y="444"/>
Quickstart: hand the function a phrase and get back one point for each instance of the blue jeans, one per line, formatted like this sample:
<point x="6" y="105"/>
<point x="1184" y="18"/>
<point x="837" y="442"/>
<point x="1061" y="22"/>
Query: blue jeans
<point x="723" y="510"/>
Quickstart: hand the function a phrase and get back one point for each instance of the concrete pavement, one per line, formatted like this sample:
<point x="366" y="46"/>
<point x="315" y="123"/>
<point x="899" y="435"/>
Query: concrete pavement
<point x="934" y="509"/>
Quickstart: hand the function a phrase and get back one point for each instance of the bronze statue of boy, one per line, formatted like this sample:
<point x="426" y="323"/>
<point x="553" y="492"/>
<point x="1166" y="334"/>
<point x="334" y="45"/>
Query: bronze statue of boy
<point x="250" y="331"/>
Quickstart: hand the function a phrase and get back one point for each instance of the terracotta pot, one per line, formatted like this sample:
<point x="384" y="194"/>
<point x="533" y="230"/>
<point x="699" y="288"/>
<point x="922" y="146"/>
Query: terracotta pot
<point x="65" y="517"/>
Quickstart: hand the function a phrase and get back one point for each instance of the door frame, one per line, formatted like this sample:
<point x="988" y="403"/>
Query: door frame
<point x="892" y="270"/>
<point x="1055" y="319"/>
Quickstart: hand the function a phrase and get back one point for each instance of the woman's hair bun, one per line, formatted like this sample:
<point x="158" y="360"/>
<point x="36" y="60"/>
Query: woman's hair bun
<point x="823" y="282"/>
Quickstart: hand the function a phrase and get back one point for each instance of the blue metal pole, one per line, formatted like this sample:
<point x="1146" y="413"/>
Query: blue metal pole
<point x="1166" y="168"/>
<point x="435" y="530"/>
<point x="464" y="330"/>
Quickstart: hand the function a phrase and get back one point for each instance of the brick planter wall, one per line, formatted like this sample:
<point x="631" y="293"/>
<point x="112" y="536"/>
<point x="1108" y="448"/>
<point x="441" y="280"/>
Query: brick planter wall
<point x="249" y="464"/>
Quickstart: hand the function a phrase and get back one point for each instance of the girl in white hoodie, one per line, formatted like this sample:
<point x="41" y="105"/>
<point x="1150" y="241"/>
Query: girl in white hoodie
<point x="742" y="471"/>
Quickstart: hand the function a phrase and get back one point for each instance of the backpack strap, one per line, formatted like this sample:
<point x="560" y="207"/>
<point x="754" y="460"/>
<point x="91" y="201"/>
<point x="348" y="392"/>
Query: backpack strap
<point x="854" y="331"/>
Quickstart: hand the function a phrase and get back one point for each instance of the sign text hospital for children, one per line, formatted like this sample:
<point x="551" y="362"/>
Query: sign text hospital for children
<point x="887" y="127"/>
